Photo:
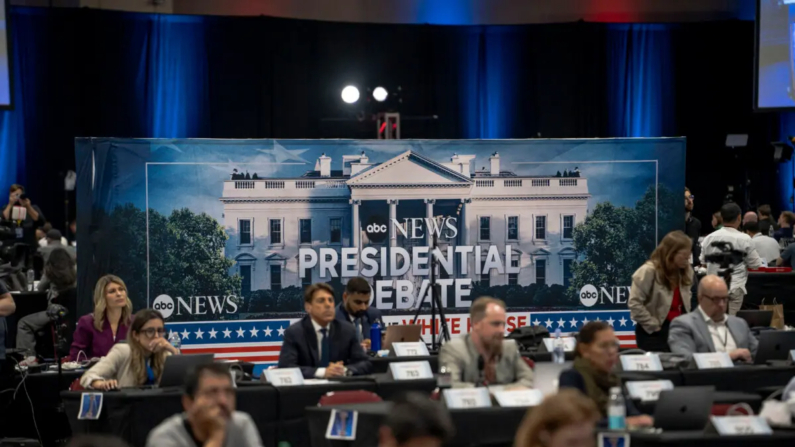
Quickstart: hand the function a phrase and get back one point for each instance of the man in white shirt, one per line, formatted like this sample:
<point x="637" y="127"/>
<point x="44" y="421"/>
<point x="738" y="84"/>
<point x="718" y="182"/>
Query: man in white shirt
<point x="766" y="247"/>
<point x="709" y="328"/>
<point x="730" y="213"/>
<point x="321" y="345"/>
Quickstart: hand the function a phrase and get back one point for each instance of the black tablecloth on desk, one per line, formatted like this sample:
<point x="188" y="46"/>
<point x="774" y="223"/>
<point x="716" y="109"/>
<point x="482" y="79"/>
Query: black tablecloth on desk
<point x="699" y="439"/>
<point x="720" y="397"/>
<point x="16" y="416"/>
<point x="132" y="414"/>
<point x="493" y="426"/>
<point x="746" y="379"/>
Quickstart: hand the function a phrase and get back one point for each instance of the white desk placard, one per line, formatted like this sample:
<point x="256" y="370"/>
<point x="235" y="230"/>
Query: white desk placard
<point x="792" y="355"/>
<point x="519" y="398"/>
<point x="648" y="390"/>
<point x="464" y="398"/>
<point x="410" y="349"/>
<point x="569" y="344"/>
<point x="713" y="360"/>
<point x="284" y="376"/>
<point x="740" y="425"/>
<point x="648" y="362"/>
<point x="411" y="370"/>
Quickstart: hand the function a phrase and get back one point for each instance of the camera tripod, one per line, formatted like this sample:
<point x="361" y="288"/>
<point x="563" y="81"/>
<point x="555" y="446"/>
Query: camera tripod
<point x="436" y="301"/>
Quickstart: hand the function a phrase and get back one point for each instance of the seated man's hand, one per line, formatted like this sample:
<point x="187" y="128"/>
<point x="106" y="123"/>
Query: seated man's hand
<point x="366" y="344"/>
<point x="640" y="421"/>
<point x="335" y="370"/>
<point x="741" y="354"/>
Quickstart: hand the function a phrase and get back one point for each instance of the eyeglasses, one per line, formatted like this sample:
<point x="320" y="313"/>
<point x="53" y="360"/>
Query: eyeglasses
<point x="609" y="346"/>
<point x="150" y="332"/>
<point x="717" y="299"/>
<point x="691" y="197"/>
<point x="228" y="392"/>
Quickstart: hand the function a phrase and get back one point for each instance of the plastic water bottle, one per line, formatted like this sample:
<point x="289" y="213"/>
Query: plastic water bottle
<point x="31" y="278"/>
<point x="558" y="350"/>
<point x="375" y="337"/>
<point x="175" y="339"/>
<point x="616" y="410"/>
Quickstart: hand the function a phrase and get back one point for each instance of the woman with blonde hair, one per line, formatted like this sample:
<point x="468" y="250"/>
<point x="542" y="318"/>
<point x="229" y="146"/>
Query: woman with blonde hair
<point x="135" y="363"/>
<point x="98" y="331"/>
<point x="661" y="291"/>
<point x="566" y="419"/>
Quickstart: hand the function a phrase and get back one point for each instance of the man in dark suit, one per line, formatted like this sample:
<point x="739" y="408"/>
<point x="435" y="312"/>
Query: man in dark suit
<point x="355" y="310"/>
<point x="321" y="345"/>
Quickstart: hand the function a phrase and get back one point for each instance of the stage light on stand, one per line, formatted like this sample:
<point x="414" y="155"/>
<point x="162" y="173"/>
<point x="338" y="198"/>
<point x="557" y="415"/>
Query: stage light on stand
<point x="380" y="94"/>
<point x="350" y="94"/>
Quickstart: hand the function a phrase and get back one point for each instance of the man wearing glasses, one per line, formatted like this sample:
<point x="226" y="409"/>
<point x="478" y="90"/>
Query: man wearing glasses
<point x="210" y="419"/>
<point x="692" y="225"/>
<point x="709" y="328"/>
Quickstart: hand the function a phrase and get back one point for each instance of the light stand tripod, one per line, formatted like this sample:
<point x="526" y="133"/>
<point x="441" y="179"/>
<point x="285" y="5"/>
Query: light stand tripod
<point x="436" y="301"/>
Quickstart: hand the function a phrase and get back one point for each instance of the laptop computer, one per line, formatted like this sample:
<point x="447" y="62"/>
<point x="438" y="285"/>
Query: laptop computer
<point x="402" y="333"/>
<point x="684" y="408"/>
<point x="177" y="366"/>
<point x="756" y="318"/>
<point x="774" y="345"/>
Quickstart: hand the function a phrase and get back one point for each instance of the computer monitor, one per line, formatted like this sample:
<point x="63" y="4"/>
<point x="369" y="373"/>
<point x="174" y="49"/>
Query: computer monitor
<point x="756" y="318"/>
<point x="774" y="345"/>
<point x="684" y="408"/>
<point x="177" y="367"/>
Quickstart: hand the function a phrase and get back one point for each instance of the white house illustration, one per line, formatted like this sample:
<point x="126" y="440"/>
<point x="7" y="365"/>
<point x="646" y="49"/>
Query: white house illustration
<point x="270" y="219"/>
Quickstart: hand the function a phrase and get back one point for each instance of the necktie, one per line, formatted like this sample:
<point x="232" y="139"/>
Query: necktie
<point x="358" y="324"/>
<point x="325" y="347"/>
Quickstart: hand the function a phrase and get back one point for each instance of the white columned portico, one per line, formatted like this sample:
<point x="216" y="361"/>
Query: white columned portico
<point x="429" y="215"/>
<point x="356" y="224"/>
<point x="393" y="203"/>
<point x="465" y="231"/>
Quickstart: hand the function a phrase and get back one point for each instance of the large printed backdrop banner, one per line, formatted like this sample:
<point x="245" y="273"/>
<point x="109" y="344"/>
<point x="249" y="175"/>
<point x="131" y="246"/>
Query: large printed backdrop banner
<point x="222" y="235"/>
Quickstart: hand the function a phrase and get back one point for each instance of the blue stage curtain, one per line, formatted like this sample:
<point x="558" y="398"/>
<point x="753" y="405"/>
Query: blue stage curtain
<point x="786" y="171"/>
<point x="640" y="74"/>
<point x="176" y="79"/>
<point x="489" y="81"/>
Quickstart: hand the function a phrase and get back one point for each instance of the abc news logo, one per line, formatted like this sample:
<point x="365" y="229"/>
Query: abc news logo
<point x="376" y="228"/>
<point x="164" y="304"/>
<point x="588" y="295"/>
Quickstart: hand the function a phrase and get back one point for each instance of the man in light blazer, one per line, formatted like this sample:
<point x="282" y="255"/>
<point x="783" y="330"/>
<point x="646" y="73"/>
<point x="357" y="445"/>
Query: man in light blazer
<point x="709" y="328"/>
<point x="484" y="357"/>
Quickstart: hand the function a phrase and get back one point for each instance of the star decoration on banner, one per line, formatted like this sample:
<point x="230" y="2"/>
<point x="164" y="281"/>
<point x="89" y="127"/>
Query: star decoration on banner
<point x="185" y="334"/>
<point x="267" y="331"/>
<point x="584" y="321"/>
<point x="633" y="322"/>
<point x="536" y="322"/>
<point x="227" y="333"/>
<point x="623" y="321"/>
<point x="610" y="321"/>
<point x="240" y="333"/>
<point x="573" y="322"/>
<point x="212" y="333"/>
<point x="171" y="334"/>
<point x="561" y="323"/>
<point x="254" y="332"/>
<point x="281" y="330"/>
<point x="548" y="323"/>
<point x="598" y="319"/>
<point x="199" y="334"/>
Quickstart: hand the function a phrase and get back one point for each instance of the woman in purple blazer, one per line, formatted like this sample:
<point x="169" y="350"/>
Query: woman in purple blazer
<point x="97" y="332"/>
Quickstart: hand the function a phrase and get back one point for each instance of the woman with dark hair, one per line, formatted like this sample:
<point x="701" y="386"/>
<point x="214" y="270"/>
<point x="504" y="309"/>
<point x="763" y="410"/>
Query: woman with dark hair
<point x="595" y="357"/>
<point x="61" y="278"/>
<point x="566" y="419"/>
<point x="661" y="291"/>
<point x="139" y="361"/>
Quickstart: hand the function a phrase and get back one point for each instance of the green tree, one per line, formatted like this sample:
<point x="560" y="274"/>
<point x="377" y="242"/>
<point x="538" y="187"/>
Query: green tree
<point x="185" y="254"/>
